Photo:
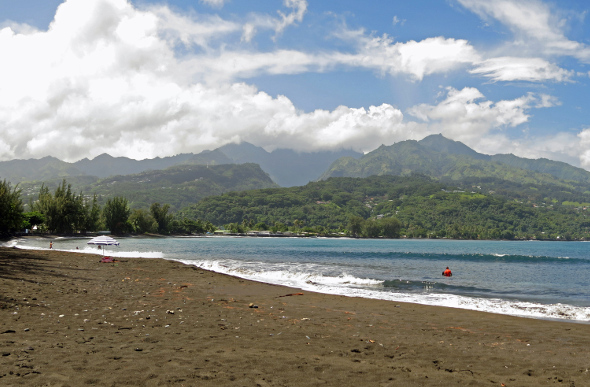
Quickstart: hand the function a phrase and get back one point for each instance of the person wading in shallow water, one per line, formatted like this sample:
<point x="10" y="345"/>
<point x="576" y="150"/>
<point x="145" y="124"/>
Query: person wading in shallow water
<point x="447" y="272"/>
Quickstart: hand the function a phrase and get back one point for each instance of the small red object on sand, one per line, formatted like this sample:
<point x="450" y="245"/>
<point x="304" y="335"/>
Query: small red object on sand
<point x="107" y="260"/>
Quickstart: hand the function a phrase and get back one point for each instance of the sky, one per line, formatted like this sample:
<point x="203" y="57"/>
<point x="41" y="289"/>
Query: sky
<point x="155" y="78"/>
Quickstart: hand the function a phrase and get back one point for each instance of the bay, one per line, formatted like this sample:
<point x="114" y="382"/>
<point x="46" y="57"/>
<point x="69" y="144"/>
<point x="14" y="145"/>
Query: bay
<point x="547" y="280"/>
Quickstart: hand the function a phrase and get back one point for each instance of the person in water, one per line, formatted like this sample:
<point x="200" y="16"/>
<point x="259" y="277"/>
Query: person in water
<point x="447" y="272"/>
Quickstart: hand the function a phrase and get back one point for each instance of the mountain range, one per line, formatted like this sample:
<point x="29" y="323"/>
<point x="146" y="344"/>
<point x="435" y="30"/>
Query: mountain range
<point x="435" y="156"/>
<point x="285" y="167"/>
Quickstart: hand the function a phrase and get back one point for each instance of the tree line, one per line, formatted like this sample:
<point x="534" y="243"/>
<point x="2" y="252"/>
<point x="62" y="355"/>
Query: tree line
<point x="379" y="206"/>
<point x="65" y="212"/>
<point x="414" y="206"/>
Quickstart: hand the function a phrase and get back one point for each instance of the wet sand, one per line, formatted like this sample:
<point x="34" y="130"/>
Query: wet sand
<point x="68" y="320"/>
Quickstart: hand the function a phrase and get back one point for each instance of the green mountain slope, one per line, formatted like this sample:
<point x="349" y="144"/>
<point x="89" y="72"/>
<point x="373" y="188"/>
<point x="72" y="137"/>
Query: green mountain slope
<point x="179" y="186"/>
<point x="557" y="169"/>
<point x="445" y="159"/>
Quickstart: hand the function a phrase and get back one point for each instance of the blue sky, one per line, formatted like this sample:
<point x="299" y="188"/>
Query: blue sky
<point x="143" y="78"/>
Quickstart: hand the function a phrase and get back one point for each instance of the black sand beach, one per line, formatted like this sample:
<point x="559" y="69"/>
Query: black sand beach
<point x="68" y="320"/>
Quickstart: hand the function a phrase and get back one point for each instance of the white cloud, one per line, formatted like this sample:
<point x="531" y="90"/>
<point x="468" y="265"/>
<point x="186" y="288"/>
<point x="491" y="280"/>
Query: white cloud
<point x="190" y="30"/>
<point x="546" y="101"/>
<point x="108" y="81"/>
<point x="299" y="7"/>
<point x="205" y="30"/>
<point x="538" y="31"/>
<point x="465" y="115"/>
<point x="396" y="20"/>
<point x="566" y="147"/>
<point x="248" y="32"/>
<point x="105" y="77"/>
<point x="214" y="3"/>
<point x="522" y="69"/>
<point x="584" y="142"/>
<point x="417" y="59"/>
<point x="536" y="26"/>
<point x="359" y="129"/>
<point x="19" y="28"/>
<point x="563" y="147"/>
<point x="278" y="25"/>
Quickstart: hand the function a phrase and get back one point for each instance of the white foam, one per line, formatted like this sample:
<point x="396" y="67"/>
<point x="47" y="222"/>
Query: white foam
<point x="10" y="243"/>
<point x="346" y="285"/>
<point x="111" y="252"/>
<point x="137" y="254"/>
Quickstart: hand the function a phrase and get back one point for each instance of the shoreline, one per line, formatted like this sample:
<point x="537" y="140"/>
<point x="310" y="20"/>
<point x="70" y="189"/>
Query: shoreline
<point x="559" y="311"/>
<point x="68" y="320"/>
<point x="247" y="235"/>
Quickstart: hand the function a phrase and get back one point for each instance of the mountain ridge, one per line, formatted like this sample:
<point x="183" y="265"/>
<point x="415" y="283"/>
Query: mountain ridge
<point x="434" y="155"/>
<point x="442" y="158"/>
<point x="285" y="167"/>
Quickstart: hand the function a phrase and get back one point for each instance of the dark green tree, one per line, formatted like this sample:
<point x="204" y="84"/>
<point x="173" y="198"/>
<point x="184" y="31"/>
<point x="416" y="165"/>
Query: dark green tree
<point x="355" y="226"/>
<point x="116" y="214"/>
<point x="279" y="226"/>
<point x="371" y="228"/>
<point x="44" y="205"/>
<point x="142" y="221"/>
<point x="390" y="227"/>
<point x="209" y="227"/>
<point x="260" y="226"/>
<point x="190" y="226"/>
<point x="92" y="221"/>
<point x="64" y="211"/>
<point x="235" y="228"/>
<point x="161" y="216"/>
<point x="11" y="208"/>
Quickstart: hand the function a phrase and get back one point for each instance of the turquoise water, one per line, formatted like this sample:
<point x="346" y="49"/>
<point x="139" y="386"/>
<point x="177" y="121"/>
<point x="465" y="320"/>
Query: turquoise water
<point x="534" y="279"/>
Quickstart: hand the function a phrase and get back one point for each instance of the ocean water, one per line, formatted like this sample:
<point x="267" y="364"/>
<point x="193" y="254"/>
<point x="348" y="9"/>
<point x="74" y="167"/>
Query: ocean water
<point x="546" y="280"/>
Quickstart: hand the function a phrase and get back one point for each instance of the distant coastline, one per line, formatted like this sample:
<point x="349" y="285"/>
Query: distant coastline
<point x="250" y="235"/>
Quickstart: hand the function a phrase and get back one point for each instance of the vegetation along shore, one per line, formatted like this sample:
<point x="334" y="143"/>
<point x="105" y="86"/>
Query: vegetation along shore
<point x="378" y="206"/>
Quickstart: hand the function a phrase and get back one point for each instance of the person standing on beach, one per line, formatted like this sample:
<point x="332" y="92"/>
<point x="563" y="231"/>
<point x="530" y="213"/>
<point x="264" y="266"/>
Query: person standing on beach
<point x="447" y="272"/>
<point x="50" y="245"/>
